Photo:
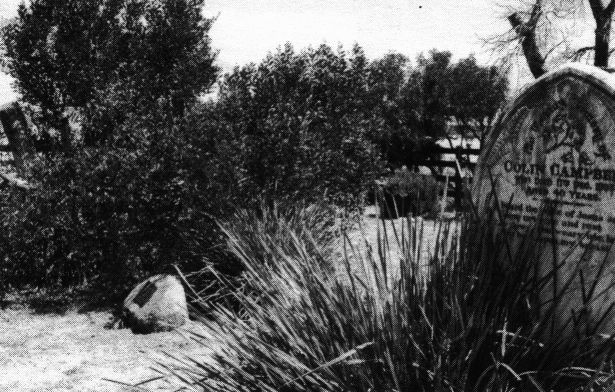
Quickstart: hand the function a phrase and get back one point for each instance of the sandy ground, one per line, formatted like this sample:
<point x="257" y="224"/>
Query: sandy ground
<point x="426" y="234"/>
<point x="75" y="352"/>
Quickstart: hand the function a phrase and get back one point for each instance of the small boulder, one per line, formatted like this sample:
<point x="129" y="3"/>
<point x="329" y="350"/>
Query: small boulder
<point x="155" y="305"/>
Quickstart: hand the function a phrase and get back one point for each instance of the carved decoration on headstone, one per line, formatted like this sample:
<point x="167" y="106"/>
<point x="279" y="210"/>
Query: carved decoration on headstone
<point x="550" y="163"/>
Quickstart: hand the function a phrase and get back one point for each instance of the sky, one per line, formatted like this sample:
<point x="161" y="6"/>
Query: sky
<point x="245" y="30"/>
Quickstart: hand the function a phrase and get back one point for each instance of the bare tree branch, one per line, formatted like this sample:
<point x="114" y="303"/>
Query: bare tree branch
<point x="596" y="7"/>
<point x="602" y="16"/>
<point x="15" y="182"/>
<point x="535" y="15"/>
<point x="579" y="53"/>
<point x="562" y="42"/>
<point x="526" y="31"/>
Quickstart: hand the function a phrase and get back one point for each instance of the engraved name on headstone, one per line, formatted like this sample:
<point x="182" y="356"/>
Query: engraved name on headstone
<point x="553" y="149"/>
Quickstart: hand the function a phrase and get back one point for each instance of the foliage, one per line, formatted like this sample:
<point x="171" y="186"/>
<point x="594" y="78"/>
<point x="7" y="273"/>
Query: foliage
<point x="434" y="98"/>
<point x="397" y="136"/>
<point x="475" y="96"/>
<point x="317" y="226"/>
<point x="407" y="192"/>
<point x="119" y="201"/>
<point x="108" y="60"/>
<point x="302" y="122"/>
<point x="111" y="215"/>
<point x="141" y="180"/>
<point x="468" y="318"/>
<point x="90" y="215"/>
<point x="299" y="122"/>
<point x="549" y="33"/>
<point x="463" y="94"/>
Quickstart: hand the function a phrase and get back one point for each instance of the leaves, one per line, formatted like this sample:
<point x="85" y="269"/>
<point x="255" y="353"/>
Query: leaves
<point x="110" y="60"/>
<point x="299" y="123"/>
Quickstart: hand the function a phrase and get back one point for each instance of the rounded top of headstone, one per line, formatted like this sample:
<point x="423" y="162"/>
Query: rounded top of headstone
<point x="576" y="99"/>
<point x="552" y="152"/>
<point x="600" y="77"/>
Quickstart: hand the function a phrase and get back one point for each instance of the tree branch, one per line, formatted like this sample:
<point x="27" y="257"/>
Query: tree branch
<point x="15" y="182"/>
<point x="526" y="31"/>
<point x="597" y="7"/>
<point x="535" y="15"/>
<point x="576" y="56"/>
<point x="602" y="16"/>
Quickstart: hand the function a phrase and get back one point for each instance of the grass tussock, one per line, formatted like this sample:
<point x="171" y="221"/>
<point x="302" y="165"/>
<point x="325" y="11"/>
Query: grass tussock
<point x="468" y="318"/>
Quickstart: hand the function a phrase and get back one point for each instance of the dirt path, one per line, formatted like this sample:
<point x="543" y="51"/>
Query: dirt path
<point x="75" y="352"/>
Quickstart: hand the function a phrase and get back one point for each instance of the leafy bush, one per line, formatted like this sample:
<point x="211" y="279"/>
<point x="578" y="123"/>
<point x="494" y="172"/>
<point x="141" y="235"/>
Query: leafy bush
<point x="108" y="60"/>
<point x="149" y="197"/>
<point x="112" y="215"/>
<point x="407" y="192"/>
<point x="300" y="122"/>
<point x="467" y="319"/>
<point x="114" y="199"/>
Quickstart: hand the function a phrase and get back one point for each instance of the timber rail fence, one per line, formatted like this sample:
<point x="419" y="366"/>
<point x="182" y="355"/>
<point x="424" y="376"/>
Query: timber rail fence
<point x="459" y="160"/>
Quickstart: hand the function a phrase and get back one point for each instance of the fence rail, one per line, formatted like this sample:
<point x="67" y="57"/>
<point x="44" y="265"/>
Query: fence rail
<point x="436" y="162"/>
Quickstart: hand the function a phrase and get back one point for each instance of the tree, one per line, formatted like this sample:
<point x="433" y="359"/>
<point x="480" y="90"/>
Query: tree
<point x="411" y="106"/>
<point x="116" y="203"/>
<point x="476" y="94"/>
<point x="426" y="94"/>
<point x="104" y="59"/>
<point x="299" y="121"/>
<point x="439" y="93"/>
<point x="526" y="32"/>
<point x="545" y="30"/>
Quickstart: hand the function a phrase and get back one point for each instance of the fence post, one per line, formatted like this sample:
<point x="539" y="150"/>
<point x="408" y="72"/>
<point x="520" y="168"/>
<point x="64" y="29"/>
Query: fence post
<point x="458" y="190"/>
<point x="458" y="182"/>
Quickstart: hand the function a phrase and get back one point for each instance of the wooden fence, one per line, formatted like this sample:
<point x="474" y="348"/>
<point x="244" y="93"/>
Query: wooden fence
<point x="458" y="166"/>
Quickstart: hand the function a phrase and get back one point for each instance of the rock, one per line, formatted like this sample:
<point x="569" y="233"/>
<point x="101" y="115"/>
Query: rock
<point x="155" y="305"/>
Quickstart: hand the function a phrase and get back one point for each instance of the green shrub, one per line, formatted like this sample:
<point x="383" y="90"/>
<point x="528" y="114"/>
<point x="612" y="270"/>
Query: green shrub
<point x="91" y="218"/>
<point x="112" y="215"/>
<point x="300" y="122"/>
<point x="462" y="320"/>
<point x="407" y="192"/>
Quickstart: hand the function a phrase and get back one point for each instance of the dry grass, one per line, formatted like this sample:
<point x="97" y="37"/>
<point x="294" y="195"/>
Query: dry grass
<point x="75" y="352"/>
<point x="458" y="321"/>
<point x="371" y="228"/>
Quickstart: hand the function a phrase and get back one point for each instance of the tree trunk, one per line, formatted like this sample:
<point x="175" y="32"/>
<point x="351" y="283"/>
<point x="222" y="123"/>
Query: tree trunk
<point x="602" y="16"/>
<point x="65" y="134"/>
<point x="603" y="37"/>
<point x="15" y="128"/>
<point x="527" y="34"/>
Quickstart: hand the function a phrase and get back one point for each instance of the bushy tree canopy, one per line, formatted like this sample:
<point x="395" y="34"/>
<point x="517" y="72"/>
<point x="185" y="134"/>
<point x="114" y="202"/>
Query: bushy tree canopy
<point x="141" y="183"/>
<point x="300" y="122"/>
<point x="109" y="59"/>
<point x="417" y="104"/>
<point x="116" y="204"/>
<point x="464" y="93"/>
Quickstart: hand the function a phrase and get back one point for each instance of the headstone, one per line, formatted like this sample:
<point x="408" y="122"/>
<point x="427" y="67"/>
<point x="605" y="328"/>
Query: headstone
<point x="550" y="163"/>
<point x="155" y="305"/>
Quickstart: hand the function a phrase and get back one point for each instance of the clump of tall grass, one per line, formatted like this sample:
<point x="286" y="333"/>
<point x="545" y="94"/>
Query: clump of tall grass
<point x="468" y="318"/>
